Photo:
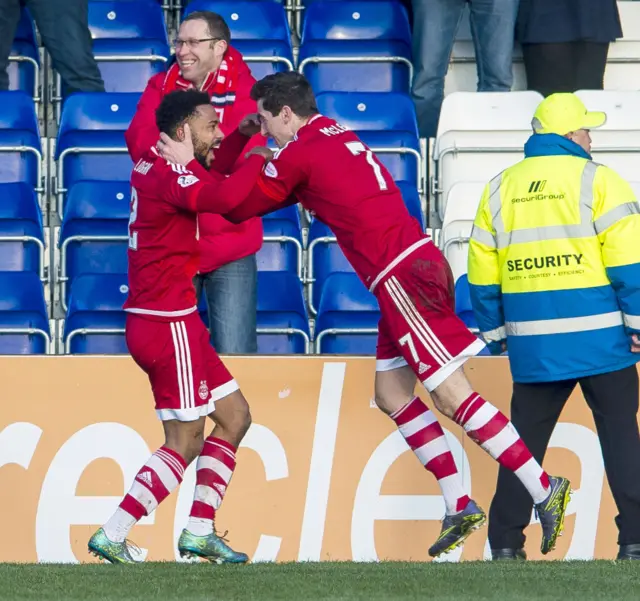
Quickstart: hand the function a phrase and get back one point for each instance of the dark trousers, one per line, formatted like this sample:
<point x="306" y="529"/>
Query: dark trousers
<point x="566" y="67"/>
<point x="63" y="25"/>
<point x="535" y="409"/>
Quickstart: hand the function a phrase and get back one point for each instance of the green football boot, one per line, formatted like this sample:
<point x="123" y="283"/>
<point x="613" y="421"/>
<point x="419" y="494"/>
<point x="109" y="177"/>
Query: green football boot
<point x="107" y="550"/>
<point x="211" y="547"/>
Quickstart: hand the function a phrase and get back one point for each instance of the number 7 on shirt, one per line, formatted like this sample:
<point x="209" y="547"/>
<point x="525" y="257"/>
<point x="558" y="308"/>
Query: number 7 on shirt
<point x="356" y="149"/>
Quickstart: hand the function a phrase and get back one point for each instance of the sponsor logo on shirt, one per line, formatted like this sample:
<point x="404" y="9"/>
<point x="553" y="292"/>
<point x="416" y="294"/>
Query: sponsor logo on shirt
<point x="187" y="180"/>
<point x="270" y="170"/>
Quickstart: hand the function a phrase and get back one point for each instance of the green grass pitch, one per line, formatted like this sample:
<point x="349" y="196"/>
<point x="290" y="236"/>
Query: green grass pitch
<point x="477" y="581"/>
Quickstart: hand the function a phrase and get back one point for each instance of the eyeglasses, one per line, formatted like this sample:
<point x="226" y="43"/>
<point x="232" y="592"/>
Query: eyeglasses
<point x="193" y="43"/>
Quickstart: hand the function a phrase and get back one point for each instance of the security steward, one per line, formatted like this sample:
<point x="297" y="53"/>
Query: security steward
<point x="554" y="274"/>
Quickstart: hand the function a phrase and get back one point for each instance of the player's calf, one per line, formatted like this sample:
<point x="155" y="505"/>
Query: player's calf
<point x="214" y="470"/>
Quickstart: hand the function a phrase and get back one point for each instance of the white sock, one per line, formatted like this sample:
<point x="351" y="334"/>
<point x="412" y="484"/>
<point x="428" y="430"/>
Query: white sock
<point x="200" y="526"/>
<point x="119" y="526"/>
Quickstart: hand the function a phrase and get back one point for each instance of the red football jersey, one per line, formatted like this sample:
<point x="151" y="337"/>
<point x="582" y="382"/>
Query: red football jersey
<point x="163" y="235"/>
<point x="336" y="177"/>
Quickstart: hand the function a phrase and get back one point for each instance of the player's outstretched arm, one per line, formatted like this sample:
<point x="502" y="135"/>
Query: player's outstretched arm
<point x="256" y="204"/>
<point x="232" y="146"/>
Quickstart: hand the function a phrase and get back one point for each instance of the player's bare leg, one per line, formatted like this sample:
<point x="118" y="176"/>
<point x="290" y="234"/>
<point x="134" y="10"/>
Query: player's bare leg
<point x="213" y="473"/>
<point x="420" y="428"/>
<point x="489" y="428"/>
<point x="155" y="481"/>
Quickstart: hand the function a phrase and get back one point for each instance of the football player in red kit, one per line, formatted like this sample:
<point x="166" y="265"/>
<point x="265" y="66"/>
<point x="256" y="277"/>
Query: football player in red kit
<point x="165" y="334"/>
<point x="328" y="169"/>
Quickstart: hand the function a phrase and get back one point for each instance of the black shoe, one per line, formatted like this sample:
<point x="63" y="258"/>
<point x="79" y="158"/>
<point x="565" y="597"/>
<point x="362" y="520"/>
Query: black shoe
<point x="508" y="554"/>
<point x="629" y="551"/>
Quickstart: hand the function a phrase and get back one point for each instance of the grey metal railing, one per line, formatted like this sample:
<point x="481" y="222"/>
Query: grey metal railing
<point x="40" y="185"/>
<point x="59" y="186"/>
<point x="31" y="240"/>
<point x="86" y="332"/>
<point x="289" y="332"/>
<point x="335" y="331"/>
<point x="36" y="74"/>
<point x="310" y="279"/>
<point x="62" y="276"/>
<point x="30" y="332"/>
<point x="56" y="96"/>
<point x="295" y="242"/>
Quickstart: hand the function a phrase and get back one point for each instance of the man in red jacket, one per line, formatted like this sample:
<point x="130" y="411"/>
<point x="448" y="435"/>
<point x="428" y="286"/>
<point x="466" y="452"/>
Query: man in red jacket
<point x="228" y="272"/>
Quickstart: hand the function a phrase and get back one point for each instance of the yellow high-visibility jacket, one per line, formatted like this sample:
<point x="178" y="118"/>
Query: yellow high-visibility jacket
<point x="554" y="264"/>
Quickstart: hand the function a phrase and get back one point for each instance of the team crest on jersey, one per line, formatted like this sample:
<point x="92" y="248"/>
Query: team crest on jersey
<point x="270" y="170"/>
<point x="203" y="390"/>
<point x="187" y="180"/>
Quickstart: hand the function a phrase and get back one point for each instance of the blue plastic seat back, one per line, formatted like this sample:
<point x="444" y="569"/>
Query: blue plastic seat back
<point x="125" y="20"/>
<point x="97" y="208"/>
<point x="357" y="29"/>
<point x="356" y="20"/>
<point x="96" y="304"/>
<point x="96" y="120"/>
<point x="281" y="305"/>
<point x="464" y="310"/>
<point x="20" y="215"/>
<point x="265" y="57"/>
<point x="389" y="114"/>
<point x="22" y="74"/>
<point x="412" y="201"/>
<point x="346" y="304"/>
<point x="326" y="257"/>
<point x="22" y="305"/>
<point x="280" y="256"/>
<point x="248" y="19"/>
<point x="128" y="28"/>
<point x="18" y="127"/>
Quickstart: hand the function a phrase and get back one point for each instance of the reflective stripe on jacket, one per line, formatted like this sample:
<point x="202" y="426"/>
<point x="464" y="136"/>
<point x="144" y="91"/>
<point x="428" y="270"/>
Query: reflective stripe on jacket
<point x="554" y="264"/>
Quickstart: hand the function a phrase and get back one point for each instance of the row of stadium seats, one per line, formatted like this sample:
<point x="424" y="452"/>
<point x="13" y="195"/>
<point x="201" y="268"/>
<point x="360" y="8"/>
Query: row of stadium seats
<point x="355" y="46"/>
<point x="89" y="171"/>
<point x="479" y="135"/>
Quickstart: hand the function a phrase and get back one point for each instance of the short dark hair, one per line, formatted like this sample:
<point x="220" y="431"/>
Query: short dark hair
<point x="286" y="88"/>
<point x="177" y="107"/>
<point x="216" y="25"/>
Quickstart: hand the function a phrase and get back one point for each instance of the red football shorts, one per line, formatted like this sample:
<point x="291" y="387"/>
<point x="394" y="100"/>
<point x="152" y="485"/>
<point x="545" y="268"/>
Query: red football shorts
<point x="418" y="325"/>
<point x="187" y="376"/>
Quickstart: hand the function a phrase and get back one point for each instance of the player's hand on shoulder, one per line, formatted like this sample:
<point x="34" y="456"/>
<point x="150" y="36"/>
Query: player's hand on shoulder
<point x="250" y="125"/>
<point x="179" y="152"/>
<point x="262" y="151"/>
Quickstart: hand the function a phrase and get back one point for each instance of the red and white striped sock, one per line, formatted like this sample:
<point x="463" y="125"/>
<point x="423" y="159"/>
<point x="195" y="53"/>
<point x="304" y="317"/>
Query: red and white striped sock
<point x="213" y="473"/>
<point x="153" y="484"/>
<point x="490" y="429"/>
<point x="420" y="428"/>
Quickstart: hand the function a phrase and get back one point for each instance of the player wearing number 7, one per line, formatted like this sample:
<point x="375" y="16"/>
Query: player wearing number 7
<point x="337" y="178"/>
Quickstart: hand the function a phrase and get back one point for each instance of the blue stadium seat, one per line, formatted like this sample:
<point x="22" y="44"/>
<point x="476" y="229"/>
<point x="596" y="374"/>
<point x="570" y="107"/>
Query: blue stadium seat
<point x="283" y="324"/>
<point x="325" y="258"/>
<point x="347" y="318"/>
<point x="93" y="236"/>
<point x="412" y="200"/>
<point x="22" y="241"/>
<point x="282" y="247"/>
<point x="95" y="320"/>
<point x="464" y="310"/>
<point x="125" y="29"/>
<point x="24" y="324"/>
<point x="356" y="46"/>
<point x="90" y="144"/>
<point x="259" y="30"/>
<point x="381" y="121"/>
<point x="24" y="59"/>
<point x="19" y="128"/>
